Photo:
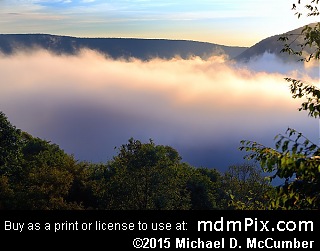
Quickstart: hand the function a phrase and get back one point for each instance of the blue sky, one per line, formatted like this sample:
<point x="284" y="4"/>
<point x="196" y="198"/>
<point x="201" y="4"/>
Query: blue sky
<point x="228" y="22"/>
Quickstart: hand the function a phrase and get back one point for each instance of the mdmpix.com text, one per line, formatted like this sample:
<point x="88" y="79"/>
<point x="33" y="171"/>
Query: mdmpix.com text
<point x="249" y="224"/>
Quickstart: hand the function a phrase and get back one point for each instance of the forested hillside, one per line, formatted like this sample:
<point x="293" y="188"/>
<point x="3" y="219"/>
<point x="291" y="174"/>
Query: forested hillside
<point x="124" y="48"/>
<point x="37" y="174"/>
<point x="275" y="45"/>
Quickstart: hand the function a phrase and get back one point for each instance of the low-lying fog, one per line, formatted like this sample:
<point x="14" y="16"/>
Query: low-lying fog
<point x="89" y="104"/>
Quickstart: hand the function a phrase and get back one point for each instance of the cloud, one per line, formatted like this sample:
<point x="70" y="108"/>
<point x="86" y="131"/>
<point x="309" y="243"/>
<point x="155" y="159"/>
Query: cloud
<point x="89" y="104"/>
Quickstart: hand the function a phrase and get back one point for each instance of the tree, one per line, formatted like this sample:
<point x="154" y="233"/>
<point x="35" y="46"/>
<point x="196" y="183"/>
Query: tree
<point x="295" y="158"/>
<point x="34" y="173"/>
<point x="10" y="158"/>
<point x="204" y="187"/>
<point x="246" y="186"/>
<point x="145" y="176"/>
<point x="10" y="145"/>
<point x="46" y="178"/>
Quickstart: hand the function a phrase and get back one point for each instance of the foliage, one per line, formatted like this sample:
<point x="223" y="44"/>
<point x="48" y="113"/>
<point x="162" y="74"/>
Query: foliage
<point x="10" y="146"/>
<point x="295" y="158"/>
<point x="37" y="174"/>
<point x="46" y="178"/>
<point x="247" y="187"/>
<point x="146" y="176"/>
<point x="205" y="190"/>
<point x="10" y="157"/>
<point x="143" y="176"/>
<point x="34" y="173"/>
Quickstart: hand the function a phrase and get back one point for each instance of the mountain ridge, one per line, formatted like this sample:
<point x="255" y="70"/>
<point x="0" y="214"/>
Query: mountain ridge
<point x="274" y="46"/>
<point x="148" y="48"/>
<point x="142" y="48"/>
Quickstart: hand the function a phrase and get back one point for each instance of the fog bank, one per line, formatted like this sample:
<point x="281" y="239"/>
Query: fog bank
<point x="88" y="104"/>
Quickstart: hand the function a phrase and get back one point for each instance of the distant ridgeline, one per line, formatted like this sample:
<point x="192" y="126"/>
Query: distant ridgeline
<point x="143" y="49"/>
<point x="274" y="46"/>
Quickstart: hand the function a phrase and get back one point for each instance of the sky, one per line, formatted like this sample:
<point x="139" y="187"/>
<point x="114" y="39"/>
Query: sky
<point x="225" y="22"/>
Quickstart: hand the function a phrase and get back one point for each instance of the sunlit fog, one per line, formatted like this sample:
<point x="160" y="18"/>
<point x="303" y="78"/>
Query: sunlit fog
<point x="89" y="104"/>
